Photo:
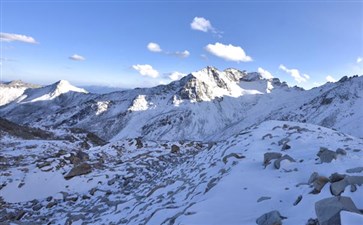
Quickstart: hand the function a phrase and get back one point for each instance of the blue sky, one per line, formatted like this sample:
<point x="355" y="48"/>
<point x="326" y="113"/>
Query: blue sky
<point x="106" y="42"/>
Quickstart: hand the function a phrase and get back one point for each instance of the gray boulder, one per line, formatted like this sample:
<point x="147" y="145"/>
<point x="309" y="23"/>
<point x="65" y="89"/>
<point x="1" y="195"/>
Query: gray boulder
<point x="268" y="156"/>
<point x="277" y="163"/>
<point x="337" y="188"/>
<point x="270" y="218"/>
<point x="326" y="155"/>
<point x="80" y="169"/>
<point x="319" y="183"/>
<point x="328" y="210"/>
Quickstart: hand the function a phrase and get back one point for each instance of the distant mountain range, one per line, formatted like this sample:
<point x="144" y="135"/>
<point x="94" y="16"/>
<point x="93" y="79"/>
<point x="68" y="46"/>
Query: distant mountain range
<point x="215" y="147"/>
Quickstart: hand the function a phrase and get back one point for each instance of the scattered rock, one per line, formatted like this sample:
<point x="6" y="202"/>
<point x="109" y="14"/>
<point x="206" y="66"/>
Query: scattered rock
<point x="328" y="209"/>
<point x="19" y="215"/>
<point x="268" y="156"/>
<point x="335" y="177"/>
<point x="283" y="141"/>
<point x="263" y="198"/>
<point x="319" y="183"/>
<point x="51" y="204"/>
<point x="341" y="151"/>
<point x="313" y="177"/>
<point x="235" y="155"/>
<point x="80" y="169"/>
<point x="312" y="222"/>
<point x="277" y="163"/>
<point x="298" y="200"/>
<point x="355" y="170"/>
<point x="175" y="149"/>
<point x="285" y="147"/>
<point x="37" y="207"/>
<point x="326" y="155"/>
<point x="337" y="188"/>
<point x="353" y="188"/>
<point x="270" y="218"/>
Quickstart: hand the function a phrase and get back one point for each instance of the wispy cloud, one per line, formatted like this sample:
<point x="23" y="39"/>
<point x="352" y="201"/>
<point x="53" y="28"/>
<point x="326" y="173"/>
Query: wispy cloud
<point x="146" y="70"/>
<point x="182" y="54"/>
<point x="204" y="25"/>
<point x="265" y="74"/>
<point x="7" y="37"/>
<point x="359" y="59"/>
<point x="228" y="52"/>
<point x="295" y="74"/>
<point x="330" y="79"/>
<point x="76" y="57"/>
<point x="154" y="47"/>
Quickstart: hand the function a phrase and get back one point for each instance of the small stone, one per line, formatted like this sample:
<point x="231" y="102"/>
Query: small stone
<point x="353" y="188"/>
<point x="341" y="151"/>
<point x="175" y="149"/>
<point x="51" y="204"/>
<point x="49" y="198"/>
<point x="263" y="198"/>
<point x="285" y="147"/>
<point x="37" y="207"/>
<point x="298" y="200"/>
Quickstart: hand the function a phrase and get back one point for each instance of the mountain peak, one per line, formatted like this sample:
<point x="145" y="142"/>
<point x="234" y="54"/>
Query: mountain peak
<point x="64" y="86"/>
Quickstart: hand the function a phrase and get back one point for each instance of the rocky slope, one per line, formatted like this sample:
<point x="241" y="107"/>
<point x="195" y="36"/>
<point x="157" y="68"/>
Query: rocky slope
<point x="282" y="166"/>
<point x="216" y="147"/>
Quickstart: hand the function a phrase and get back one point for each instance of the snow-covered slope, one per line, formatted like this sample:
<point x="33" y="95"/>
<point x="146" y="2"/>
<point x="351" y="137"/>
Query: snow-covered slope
<point x="200" y="106"/>
<point x="13" y="90"/>
<point x="145" y="182"/>
<point x="216" y="147"/>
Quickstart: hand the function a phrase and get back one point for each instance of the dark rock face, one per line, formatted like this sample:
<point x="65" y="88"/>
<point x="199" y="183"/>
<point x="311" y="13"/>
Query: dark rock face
<point x="80" y="169"/>
<point x="328" y="210"/>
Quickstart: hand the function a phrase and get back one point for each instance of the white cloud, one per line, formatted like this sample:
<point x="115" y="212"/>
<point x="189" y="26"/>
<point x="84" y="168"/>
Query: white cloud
<point x="330" y="79"/>
<point x="182" y="54"/>
<point x="176" y="75"/>
<point x="265" y="74"/>
<point x="201" y="24"/>
<point x="295" y="74"/>
<point x="228" y="52"/>
<point x="17" y="37"/>
<point x="359" y="59"/>
<point x="76" y="57"/>
<point x="154" y="47"/>
<point x="146" y="70"/>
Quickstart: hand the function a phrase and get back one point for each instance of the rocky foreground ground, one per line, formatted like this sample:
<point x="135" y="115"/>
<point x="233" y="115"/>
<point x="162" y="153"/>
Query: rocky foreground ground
<point x="274" y="173"/>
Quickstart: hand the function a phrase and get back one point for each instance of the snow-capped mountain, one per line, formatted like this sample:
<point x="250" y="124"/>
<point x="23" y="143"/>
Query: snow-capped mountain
<point x="10" y="91"/>
<point x="215" y="147"/>
<point x="198" y="107"/>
